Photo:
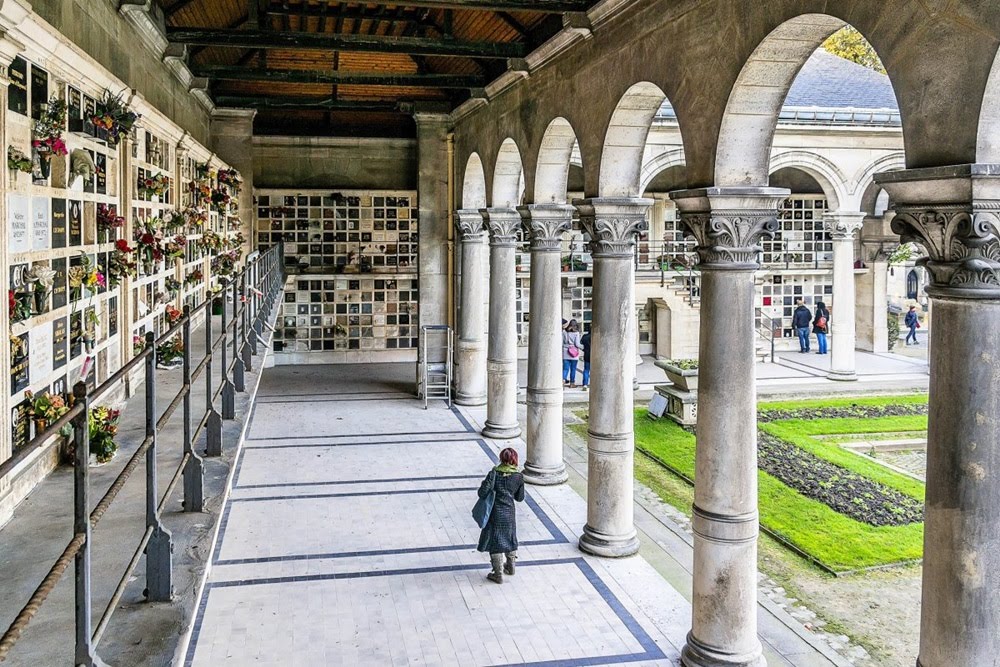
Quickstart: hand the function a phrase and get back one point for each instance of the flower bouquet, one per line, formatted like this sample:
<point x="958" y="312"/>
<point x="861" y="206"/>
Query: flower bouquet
<point x="148" y="244"/>
<point x="138" y="345"/>
<point x="230" y="177"/>
<point x="224" y="264"/>
<point x="211" y="242"/>
<point x="174" y="248"/>
<point x="47" y="135"/>
<point x="108" y="220"/>
<point x="114" y="117"/>
<point x="45" y="408"/>
<point x="194" y="277"/>
<point x="172" y="285"/>
<point x="17" y="161"/>
<point x="170" y="354"/>
<point x="151" y="186"/>
<point x="19" y="306"/>
<point x="195" y="217"/>
<point x="103" y="426"/>
<point x="85" y="275"/>
<point x="43" y="278"/>
<point x="172" y="315"/>
<point x="120" y="263"/>
<point x="220" y="199"/>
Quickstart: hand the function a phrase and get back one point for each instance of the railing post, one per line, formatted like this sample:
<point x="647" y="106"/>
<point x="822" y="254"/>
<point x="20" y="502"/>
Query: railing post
<point x="228" y="391"/>
<point x="213" y="422"/>
<point x="239" y="369"/>
<point x="194" y="477"/>
<point x="251" y="300"/>
<point x="245" y="326"/>
<point x="158" y="552"/>
<point x="85" y="653"/>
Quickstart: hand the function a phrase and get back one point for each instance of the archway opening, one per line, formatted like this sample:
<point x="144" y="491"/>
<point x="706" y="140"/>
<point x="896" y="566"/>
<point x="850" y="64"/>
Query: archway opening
<point x="555" y="153"/>
<point x="508" y="176"/>
<point x="625" y="140"/>
<point x="474" y="184"/>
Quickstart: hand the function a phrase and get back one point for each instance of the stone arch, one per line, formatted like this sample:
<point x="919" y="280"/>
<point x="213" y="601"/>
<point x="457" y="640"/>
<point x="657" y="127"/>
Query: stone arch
<point x="988" y="134"/>
<point x="744" y="145"/>
<point x="474" y="183"/>
<point x="625" y="140"/>
<point x="508" y="176"/>
<point x="867" y="192"/>
<point x="554" y="157"/>
<point x="662" y="162"/>
<point x="827" y="174"/>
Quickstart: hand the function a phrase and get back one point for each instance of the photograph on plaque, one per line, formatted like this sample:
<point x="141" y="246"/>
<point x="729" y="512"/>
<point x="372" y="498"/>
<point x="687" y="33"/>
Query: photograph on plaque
<point x="18" y="216"/>
<point x="60" y="386"/>
<point x="40" y="223"/>
<point x="17" y="91"/>
<point x="59" y="284"/>
<point x="88" y="183"/>
<point x="59" y="343"/>
<point x="58" y="223"/>
<point x="75" y="334"/>
<point x="20" y="424"/>
<point x="101" y="162"/>
<point x="19" y="377"/>
<point x="75" y="223"/>
<point x="39" y="91"/>
<point x="112" y="316"/>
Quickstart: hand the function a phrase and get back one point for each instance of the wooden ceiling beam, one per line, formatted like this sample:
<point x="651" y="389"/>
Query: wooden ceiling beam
<point x="541" y="6"/>
<point x="176" y="7"/>
<point x="251" y="39"/>
<point x="303" y="103"/>
<point x="235" y="73"/>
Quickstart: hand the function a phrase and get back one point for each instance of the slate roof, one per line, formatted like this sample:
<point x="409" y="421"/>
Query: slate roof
<point x="832" y="82"/>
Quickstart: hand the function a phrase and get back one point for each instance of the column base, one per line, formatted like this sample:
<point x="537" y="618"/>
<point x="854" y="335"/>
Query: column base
<point x="501" y="431"/>
<point x="470" y="400"/>
<point x="842" y="376"/>
<point x="608" y="546"/>
<point x="696" y="654"/>
<point x="545" y="476"/>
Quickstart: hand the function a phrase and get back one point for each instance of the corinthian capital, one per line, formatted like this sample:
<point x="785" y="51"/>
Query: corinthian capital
<point x="502" y="224"/>
<point x="843" y="226"/>
<point x="613" y="224"/>
<point x="469" y="223"/>
<point x="545" y="224"/>
<point x="729" y="224"/>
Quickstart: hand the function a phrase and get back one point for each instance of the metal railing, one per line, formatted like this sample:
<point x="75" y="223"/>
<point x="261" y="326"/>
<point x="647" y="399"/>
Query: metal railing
<point x="764" y="327"/>
<point x="255" y="292"/>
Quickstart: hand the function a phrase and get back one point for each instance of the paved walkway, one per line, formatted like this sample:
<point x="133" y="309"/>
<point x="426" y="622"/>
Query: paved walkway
<point x="347" y="540"/>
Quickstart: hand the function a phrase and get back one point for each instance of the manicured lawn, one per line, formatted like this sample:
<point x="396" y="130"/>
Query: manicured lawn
<point x="834" y="539"/>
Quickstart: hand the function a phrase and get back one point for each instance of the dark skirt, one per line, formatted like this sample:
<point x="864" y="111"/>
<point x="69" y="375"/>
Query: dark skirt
<point x="500" y="534"/>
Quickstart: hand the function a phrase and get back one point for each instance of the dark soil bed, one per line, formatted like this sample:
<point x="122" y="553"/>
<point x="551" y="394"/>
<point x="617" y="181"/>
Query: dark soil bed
<point x="853" y="411"/>
<point x="843" y="491"/>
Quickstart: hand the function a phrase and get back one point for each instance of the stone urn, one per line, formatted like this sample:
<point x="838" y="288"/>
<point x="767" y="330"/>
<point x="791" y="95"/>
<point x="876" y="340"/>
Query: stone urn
<point x="683" y="379"/>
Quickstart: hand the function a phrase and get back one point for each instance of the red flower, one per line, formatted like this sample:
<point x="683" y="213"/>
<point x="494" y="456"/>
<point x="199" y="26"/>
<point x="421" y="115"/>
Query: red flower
<point x="147" y="239"/>
<point x="121" y="245"/>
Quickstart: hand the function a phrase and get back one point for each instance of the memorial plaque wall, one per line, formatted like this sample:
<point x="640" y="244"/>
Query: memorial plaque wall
<point x="17" y="92"/>
<point x="58" y="223"/>
<point x="59" y="343"/>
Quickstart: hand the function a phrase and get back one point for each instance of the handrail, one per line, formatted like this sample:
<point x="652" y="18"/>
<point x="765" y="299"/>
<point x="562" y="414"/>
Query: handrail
<point x="764" y="328"/>
<point x="253" y="303"/>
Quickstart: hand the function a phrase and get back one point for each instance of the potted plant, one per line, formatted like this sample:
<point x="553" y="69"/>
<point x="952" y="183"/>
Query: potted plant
<point x="43" y="278"/>
<point x="682" y="372"/>
<point x="17" y="162"/>
<point x="103" y="426"/>
<point x="114" y="117"/>
<point x="47" y="136"/>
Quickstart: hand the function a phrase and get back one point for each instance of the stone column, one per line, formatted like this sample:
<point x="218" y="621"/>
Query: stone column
<point x="954" y="214"/>
<point x="612" y="224"/>
<point x="470" y="349"/>
<point x="232" y="140"/>
<point x="432" y="248"/>
<point x="545" y="225"/>
<point x="9" y="49"/>
<point x="843" y="226"/>
<point x="501" y="361"/>
<point x="728" y="225"/>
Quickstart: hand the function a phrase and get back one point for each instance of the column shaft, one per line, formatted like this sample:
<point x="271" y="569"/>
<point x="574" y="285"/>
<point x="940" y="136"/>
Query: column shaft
<point x="501" y="363"/>
<point x="729" y="224"/>
<point x="612" y="225"/>
<point x="470" y="349"/>
<point x="842" y="327"/>
<point x="544" y="462"/>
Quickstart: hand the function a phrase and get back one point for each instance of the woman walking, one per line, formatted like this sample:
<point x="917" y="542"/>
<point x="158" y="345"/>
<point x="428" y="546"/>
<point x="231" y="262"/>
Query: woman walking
<point x="571" y="353"/>
<point x="821" y="325"/>
<point x="499" y="536"/>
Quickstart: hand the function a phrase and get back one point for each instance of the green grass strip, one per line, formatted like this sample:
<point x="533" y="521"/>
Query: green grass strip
<point x="876" y="401"/>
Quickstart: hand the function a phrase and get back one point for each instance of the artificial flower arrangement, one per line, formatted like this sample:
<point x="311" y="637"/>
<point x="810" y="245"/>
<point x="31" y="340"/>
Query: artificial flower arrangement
<point x="172" y="285"/>
<point x="174" y="248"/>
<point x="45" y="408"/>
<point x="103" y="426"/>
<point x="172" y="315"/>
<point x="202" y="191"/>
<point x="149" y="243"/>
<point x="169" y="353"/>
<point x="43" y="277"/>
<point x="203" y="171"/>
<point x="114" y="116"/>
<point x="120" y="263"/>
<point x="230" y="177"/>
<point x="19" y="306"/>
<point x="236" y="240"/>
<point x="194" y="277"/>
<point x="195" y="216"/>
<point x="108" y="220"/>
<point x="18" y="161"/>
<point x="220" y="199"/>
<point x="224" y="264"/>
<point x="211" y="241"/>
<point x="47" y="134"/>
<point x="153" y="185"/>
<point x="172" y="221"/>
<point x="86" y="275"/>
<point x="138" y="345"/>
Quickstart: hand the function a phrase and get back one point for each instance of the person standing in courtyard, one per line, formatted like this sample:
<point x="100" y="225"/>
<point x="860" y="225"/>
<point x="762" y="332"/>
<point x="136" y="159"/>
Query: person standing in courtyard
<point x="499" y="537"/>
<point x="821" y="325"/>
<point x="800" y="322"/>
<point x="912" y="322"/>
<point x="571" y="353"/>
<point x="585" y="344"/>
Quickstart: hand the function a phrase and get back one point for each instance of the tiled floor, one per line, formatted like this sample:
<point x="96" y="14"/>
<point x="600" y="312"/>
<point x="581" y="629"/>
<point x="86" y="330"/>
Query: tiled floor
<point x="348" y="540"/>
